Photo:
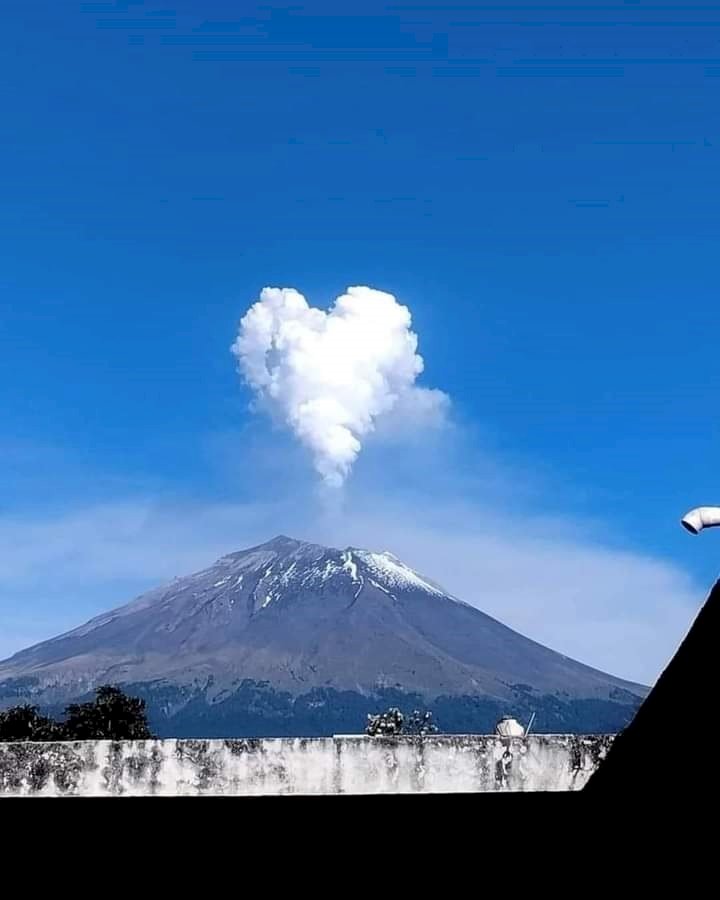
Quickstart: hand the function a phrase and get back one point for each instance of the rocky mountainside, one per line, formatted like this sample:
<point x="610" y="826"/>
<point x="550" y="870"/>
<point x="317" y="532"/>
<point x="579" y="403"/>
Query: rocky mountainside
<point x="291" y="637"/>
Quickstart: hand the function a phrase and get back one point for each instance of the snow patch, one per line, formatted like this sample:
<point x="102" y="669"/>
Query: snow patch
<point x="331" y="569"/>
<point x="350" y="565"/>
<point x="285" y="577"/>
<point x="391" y="572"/>
<point x="381" y="588"/>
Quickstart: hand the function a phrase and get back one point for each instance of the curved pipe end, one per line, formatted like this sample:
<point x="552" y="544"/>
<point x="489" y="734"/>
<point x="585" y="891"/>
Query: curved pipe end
<point x="701" y="517"/>
<point x="689" y="525"/>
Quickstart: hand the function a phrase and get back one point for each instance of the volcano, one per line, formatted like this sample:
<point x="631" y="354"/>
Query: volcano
<point x="293" y="638"/>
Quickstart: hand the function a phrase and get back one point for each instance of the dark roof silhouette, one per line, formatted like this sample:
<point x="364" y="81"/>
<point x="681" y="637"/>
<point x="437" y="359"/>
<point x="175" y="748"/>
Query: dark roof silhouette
<point x="644" y="757"/>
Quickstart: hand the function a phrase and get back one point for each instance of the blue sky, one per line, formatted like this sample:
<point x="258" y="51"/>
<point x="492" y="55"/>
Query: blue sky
<point x="538" y="183"/>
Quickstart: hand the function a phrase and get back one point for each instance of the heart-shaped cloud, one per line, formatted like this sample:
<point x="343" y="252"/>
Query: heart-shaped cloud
<point x="331" y="375"/>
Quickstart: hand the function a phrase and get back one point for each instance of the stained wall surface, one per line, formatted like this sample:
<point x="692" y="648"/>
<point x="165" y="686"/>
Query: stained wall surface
<point x="339" y="765"/>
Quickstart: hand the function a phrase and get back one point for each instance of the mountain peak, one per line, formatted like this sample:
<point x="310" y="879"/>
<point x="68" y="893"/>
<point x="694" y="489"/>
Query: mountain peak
<point x="298" y="617"/>
<point x="282" y="541"/>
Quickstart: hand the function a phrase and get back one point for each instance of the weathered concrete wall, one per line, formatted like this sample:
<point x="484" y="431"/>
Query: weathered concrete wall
<point x="340" y="765"/>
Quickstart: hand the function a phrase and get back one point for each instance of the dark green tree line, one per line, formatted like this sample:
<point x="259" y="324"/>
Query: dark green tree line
<point x="112" y="715"/>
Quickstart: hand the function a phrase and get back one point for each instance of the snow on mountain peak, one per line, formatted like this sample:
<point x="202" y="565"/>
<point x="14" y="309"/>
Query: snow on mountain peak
<point x="393" y="573"/>
<point x="285" y="564"/>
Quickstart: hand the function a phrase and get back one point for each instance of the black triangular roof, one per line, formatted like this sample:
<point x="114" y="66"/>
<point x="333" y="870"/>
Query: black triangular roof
<point x="658" y="750"/>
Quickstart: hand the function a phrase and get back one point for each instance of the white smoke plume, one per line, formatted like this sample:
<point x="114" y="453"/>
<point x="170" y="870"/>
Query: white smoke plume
<point x="331" y="375"/>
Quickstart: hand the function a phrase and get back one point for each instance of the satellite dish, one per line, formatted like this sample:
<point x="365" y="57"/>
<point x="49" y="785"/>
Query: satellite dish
<point x="701" y="517"/>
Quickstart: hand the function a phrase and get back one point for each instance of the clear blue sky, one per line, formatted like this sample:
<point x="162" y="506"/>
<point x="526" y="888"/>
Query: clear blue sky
<point x="540" y="183"/>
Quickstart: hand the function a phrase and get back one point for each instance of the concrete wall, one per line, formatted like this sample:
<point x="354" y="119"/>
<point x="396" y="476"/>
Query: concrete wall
<point x="340" y="765"/>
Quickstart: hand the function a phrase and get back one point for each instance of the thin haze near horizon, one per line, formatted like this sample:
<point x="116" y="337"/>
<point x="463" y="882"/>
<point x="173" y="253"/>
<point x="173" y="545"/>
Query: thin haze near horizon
<point x="536" y="187"/>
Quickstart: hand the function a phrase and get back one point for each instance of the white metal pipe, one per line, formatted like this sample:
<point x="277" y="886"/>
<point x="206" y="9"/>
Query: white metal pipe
<point x="701" y="517"/>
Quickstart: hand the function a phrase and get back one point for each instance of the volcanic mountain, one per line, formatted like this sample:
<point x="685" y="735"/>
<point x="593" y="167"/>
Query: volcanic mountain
<point x="295" y="638"/>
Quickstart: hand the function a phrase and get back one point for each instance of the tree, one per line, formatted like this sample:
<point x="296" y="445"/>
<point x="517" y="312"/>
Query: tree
<point x="25" y="723"/>
<point x="387" y="723"/>
<point x="394" y="722"/>
<point x="420" y="723"/>
<point x="111" y="716"/>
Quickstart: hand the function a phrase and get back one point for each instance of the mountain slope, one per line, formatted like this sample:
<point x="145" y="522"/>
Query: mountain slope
<point x="289" y="620"/>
